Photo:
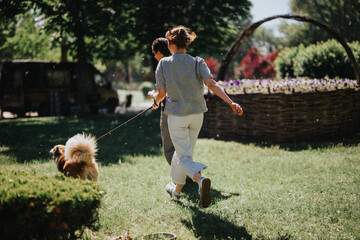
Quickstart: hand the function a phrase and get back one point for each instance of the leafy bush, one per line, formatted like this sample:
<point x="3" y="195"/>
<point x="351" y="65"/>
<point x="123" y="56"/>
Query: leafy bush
<point x="285" y="61"/>
<point x="46" y="207"/>
<point x="325" y="59"/>
<point x="254" y="65"/>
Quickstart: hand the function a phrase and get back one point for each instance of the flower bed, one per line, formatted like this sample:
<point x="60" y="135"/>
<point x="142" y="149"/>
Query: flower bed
<point x="301" y="85"/>
<point x="285" y="110"/>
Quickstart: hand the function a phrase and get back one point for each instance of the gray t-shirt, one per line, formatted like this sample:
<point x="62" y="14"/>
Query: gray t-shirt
<point x="182" y="76"/>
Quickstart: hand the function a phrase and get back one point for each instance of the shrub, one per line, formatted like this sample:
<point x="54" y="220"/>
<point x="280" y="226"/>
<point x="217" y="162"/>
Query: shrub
<point x="253" y="65"/>
<point x="325" y="59"/>
<point x="285" y="61"/>
<point x="46" y="207"/>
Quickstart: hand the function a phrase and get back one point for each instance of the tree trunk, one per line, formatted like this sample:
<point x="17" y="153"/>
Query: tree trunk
<point x="64" y="50"/>
<point x="128" y="78"/>
<point x="82" y="73"/>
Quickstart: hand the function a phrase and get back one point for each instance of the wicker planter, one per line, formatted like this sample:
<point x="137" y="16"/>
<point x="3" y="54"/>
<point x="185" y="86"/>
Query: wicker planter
<point x="280" y="117"/>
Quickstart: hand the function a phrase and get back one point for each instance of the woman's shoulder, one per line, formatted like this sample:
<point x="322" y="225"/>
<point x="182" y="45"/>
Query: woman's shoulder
<point x="167" y="59"/>
<point x="192" y="57"/>
<point x="196" y="59"/>
<point x="163" y="62"/>
<point x="183" y="58"/>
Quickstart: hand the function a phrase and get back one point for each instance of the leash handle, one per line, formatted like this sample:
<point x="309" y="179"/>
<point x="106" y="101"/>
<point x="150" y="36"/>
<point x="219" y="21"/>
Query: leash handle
<point x="109" y="132"/>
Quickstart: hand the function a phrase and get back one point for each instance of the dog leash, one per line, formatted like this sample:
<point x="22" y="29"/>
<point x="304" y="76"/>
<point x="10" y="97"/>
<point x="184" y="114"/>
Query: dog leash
<point x="109" y="132"/>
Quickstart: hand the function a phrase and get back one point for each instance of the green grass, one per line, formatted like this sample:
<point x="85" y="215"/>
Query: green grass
<point x="260" y="191"/>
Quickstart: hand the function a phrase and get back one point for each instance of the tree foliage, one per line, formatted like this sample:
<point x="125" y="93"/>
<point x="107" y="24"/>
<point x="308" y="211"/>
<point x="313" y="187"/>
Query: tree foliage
<point x="215" y="24"/>
<point x="117" y="30"/>
<point x="7" y="31"/>
<point x="265" y="39"/>
<point x="25" y="39"/>
<point x="79" y="21"/>
<point x="343" y="15"/>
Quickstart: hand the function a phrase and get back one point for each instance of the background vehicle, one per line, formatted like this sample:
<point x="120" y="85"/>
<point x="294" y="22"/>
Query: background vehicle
<point x="50" y="88"/>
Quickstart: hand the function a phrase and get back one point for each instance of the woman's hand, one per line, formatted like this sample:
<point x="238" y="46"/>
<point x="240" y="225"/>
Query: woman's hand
<point x="158" y="98"/>
<point x="155" y="105"/>
<point x="237" y="109"/>
<point x="215" y="87"/>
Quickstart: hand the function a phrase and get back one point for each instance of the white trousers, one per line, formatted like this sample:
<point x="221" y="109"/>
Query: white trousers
<point x="184" y="131"/>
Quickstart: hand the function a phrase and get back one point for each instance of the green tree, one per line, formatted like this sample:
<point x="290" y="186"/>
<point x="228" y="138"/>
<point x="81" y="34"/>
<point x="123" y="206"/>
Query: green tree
<point x="26" y="39"/>
<point x="113" y="30"/>
<point x="215" y="24"/>
<point x="81" y="19"/>
<point x="343" y="15"/>
<point x="8" y="10"/>
<point x="7" y="30"/>
<point x="266" y="39"/>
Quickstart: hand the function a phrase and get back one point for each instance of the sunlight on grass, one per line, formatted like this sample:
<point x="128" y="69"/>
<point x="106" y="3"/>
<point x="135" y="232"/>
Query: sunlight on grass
<point x="262" y="192"/>
<point x="259" y="191"/>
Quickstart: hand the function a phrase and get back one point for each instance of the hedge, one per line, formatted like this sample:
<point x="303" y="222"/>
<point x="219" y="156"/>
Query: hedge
<point x="46" y="207"/>
<point x="325" y="59"/>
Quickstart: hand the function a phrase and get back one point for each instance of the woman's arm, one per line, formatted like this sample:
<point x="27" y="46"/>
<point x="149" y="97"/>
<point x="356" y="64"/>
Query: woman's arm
<point x="215" y="87"/>
<point x="159" y="97"/>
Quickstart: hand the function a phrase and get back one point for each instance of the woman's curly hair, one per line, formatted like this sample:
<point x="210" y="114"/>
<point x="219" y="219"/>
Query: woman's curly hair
<point x="180" y="36"/>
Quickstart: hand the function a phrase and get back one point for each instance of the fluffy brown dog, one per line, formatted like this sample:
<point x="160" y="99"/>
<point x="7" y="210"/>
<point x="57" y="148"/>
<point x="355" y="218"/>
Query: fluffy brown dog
<point x="77" y="157"/>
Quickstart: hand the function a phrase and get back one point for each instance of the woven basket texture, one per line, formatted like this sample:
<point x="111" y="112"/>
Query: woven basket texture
<point x="280" y="117"/>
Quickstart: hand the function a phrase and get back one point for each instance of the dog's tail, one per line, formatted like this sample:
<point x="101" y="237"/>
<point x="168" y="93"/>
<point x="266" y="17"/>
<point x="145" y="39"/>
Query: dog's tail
<point x="81" y="148"/>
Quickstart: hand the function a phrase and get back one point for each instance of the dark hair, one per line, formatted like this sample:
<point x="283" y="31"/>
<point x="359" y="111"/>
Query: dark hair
<point x="180" y="36"/>
<point x="161" y="45"/>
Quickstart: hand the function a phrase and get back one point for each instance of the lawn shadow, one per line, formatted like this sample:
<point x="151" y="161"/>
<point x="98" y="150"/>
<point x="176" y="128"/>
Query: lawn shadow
<point x="30" y="139"/>
<point x="191" y="193"/>
<point x="207" y="225"/>
<point x="347" y="141"/>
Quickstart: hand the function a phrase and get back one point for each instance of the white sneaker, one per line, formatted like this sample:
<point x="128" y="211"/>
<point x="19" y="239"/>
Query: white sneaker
<point x="170" y="188"/>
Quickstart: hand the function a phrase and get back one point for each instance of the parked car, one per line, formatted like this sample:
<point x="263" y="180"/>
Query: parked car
<point x="50" y="88"/>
